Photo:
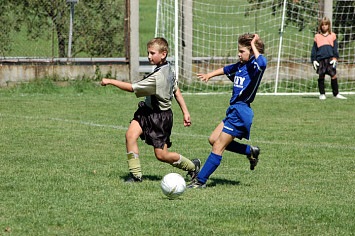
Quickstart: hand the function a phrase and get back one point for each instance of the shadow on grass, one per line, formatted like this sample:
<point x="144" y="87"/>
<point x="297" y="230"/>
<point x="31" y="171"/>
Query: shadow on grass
<point x="210" y="183"/>
<point x="145" y="177"/>
<point x="213" y="182"/>
<point x="152" y="177"/>
<point x="311" y="97"/>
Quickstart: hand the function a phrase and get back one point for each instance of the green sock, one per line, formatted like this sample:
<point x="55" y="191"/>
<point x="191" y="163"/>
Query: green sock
<point x="184" y="164"/>
<point x="134" y="164"/>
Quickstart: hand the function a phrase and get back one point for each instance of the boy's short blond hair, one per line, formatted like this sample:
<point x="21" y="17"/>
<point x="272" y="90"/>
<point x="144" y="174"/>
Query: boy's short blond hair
<point x="324" y="21"/>
<point x="161" y="43"/>
<point x="245" y="41"/>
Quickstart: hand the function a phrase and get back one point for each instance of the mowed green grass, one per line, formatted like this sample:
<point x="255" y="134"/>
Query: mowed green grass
<point x="63" y="162"/>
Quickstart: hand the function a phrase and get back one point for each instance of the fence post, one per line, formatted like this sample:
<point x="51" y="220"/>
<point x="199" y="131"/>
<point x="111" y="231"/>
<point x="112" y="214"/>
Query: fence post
<point x="186" y="41"/>
<point x="328" y="10"/>
<point x="72" y="2"/>
<point x="133" y="40"/>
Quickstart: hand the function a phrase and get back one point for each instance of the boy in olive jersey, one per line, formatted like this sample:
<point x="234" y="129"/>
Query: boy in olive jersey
<point x="153" y="119"/>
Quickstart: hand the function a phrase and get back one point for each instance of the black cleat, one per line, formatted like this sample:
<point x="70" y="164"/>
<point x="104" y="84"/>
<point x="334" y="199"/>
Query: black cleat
<point x="193" y="174"/>
<point x="132" y="179"/>
<point x="253" y="156"/>
<point x="196" y="184"/>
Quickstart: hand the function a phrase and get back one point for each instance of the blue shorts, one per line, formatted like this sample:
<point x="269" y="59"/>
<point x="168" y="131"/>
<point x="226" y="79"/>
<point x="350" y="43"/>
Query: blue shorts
<point x="238" y="121"/>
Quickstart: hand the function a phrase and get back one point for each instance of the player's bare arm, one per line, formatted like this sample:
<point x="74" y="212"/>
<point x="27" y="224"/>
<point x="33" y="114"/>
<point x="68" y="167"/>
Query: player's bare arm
<point x="180" y="100"/>
<point x="206" y="77"/>
<point x="119" y="84"/>
<point x="255" y="50"/>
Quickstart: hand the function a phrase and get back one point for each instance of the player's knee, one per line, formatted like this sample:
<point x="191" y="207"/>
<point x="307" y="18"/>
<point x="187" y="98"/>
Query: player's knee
<point x="159" y="153"/>
<point x="211" y="140"/>
<point x="161" y="156"/>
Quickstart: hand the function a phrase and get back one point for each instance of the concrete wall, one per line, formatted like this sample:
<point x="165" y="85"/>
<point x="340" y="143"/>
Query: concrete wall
<point x="288" y="70"/>
<point x="15" y="71"/>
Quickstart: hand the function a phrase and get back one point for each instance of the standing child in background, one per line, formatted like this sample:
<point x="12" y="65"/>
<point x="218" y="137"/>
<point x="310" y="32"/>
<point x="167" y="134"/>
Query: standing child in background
<point x="325" y="57"/>
<point x="246" y="76"/>
<point x="153" y="120"/>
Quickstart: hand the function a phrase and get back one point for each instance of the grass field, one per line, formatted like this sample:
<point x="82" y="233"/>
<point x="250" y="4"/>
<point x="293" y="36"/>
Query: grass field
<point x="62" y="163"/>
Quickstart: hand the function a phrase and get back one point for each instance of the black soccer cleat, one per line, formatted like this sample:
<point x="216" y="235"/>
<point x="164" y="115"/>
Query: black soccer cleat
<point x="253" y="156"/>
<point x="193" y="174"/>
<point x="196" y="184"/>
<point x="132" y="179"/>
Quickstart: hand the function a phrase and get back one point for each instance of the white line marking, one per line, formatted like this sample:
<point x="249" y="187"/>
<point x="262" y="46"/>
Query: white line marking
<point x="181" y="134"/>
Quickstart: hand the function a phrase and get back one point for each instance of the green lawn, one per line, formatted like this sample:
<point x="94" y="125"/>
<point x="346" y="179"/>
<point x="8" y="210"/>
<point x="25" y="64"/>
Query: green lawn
<point x="147" y="14"/>
<point x="62" y="164"/>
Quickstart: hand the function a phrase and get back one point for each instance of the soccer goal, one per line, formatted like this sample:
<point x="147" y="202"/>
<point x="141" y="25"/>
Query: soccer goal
<point x="203" y="36"/>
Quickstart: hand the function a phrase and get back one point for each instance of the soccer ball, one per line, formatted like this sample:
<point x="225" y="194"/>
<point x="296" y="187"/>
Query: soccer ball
<point x="173" y="185"/>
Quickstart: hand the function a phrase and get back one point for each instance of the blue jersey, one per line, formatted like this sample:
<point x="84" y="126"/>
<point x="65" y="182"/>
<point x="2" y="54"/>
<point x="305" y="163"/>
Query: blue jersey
<point x="246" y="78"/>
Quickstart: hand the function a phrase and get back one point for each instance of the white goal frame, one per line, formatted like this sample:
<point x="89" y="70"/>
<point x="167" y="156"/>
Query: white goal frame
<point x="280" y="69"/>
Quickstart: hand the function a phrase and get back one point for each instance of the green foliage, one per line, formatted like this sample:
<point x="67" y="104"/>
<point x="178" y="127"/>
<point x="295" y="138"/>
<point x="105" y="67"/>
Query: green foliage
<point x="344" y="21"/>
<point x="8" y="22"/>
<point x="42" y="86"/>
<point x="98" y="73"/>
<point x="98" y="25"/>
<point x="55" y="85"/>
<point x="297" y="12"/>
<point x="63" y="162"/>
<point x="99" y="28"/>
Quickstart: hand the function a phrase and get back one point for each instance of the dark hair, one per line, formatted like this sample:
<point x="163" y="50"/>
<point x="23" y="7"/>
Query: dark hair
<point x="162" y="44"/>
<point x="245" y="41"/>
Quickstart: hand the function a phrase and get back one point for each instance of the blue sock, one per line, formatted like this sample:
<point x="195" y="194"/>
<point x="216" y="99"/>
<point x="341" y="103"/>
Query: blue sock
<point x="209" y="167"/>
<point x="238" y="148"/>
<point x="247" y="151"/>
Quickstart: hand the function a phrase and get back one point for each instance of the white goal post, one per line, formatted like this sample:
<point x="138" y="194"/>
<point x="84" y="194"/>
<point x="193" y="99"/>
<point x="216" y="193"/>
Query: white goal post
<point x="203" y="34"/>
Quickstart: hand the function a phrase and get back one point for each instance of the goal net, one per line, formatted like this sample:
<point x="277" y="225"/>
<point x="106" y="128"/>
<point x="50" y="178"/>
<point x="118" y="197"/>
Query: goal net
<point x="203" y="36"/>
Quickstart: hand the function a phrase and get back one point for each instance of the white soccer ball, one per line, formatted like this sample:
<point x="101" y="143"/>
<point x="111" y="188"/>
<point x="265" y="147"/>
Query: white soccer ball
<point x="173" y="185"/>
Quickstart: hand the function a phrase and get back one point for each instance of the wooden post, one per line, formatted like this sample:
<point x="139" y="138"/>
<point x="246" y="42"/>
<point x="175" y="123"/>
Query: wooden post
<point x="186" y="42"/>
<point x="133" y="28"/>
<point x="328" y="10"/>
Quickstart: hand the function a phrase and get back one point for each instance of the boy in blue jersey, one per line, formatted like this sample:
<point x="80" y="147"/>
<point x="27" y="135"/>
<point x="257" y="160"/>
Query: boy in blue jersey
<point x="246" y="76"/>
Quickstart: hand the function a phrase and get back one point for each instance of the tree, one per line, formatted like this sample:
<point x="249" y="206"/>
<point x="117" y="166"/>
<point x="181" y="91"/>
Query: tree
<point x="296" y="13"/>
<point x="98" y="25"/>
<point x="344" y="20"/>
<point x="100" y="28"/>
<point x="8" y="22"/>
<point x="298" y="10"/>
